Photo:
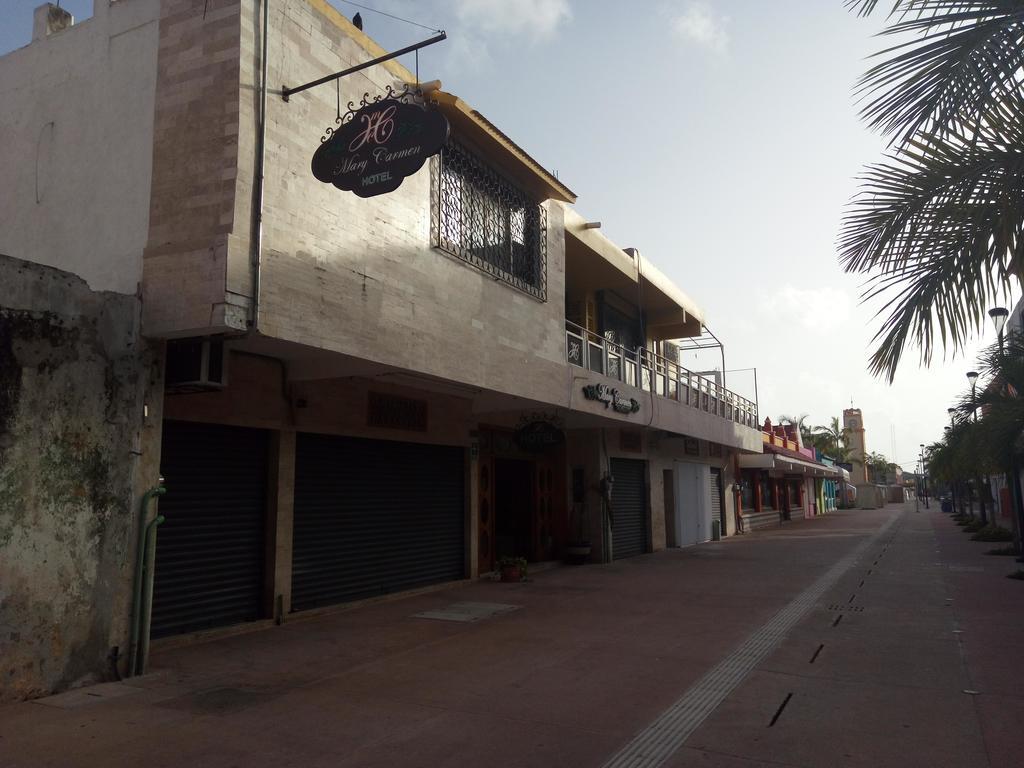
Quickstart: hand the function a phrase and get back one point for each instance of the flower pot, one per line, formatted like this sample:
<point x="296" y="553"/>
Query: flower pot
<point x="511" y="573"/>
<point x="577" y="553"/>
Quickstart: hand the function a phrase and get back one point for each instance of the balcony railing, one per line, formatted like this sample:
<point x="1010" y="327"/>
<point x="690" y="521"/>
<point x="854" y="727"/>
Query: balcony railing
<point x="645" y="370"/>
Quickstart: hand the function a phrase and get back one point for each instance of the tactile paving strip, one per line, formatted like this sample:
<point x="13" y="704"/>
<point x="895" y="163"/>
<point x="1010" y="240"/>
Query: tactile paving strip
<point x="656" y="743"/>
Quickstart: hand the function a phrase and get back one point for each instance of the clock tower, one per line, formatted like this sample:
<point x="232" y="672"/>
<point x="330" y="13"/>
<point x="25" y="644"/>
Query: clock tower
<point x="854" y="422"/>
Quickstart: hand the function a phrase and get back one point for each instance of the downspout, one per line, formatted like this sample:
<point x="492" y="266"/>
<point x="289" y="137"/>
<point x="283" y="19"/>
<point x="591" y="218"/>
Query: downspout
<point x="635" y="253"/>
<point x="140" y="561"/>
<point x="257" y="207"/>
<point x="147" y="595"/>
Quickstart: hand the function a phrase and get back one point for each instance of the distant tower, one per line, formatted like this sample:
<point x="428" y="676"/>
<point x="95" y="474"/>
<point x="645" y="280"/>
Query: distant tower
<point x="853" y="421"/>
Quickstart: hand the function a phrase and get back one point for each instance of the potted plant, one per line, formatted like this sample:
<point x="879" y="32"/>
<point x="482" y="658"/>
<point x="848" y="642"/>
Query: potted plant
<point x="577" y="552"/>
<point x="512" y="568"/>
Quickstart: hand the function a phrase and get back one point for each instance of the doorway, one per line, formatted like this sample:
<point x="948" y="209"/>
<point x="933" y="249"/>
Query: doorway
<point x="513" y="507"/>
<point x="693" y="503"/>
<point x="668" y="485"/>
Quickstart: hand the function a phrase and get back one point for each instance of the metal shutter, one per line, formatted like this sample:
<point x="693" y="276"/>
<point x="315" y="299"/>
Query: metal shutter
<point x="210" y="549"/>
<point x="373" y="517"/>
<point x="716" y="495"/>
<point x="629" y="508"/>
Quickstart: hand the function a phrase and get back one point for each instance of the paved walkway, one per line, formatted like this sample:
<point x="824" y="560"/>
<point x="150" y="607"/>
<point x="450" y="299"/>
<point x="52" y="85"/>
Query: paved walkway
<point x="855" y="639"/>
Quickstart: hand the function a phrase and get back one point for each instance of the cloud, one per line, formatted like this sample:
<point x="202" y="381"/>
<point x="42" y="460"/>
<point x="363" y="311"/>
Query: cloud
<point x="698" y="23"/>
<point x="819" y="311"/>
<point x="539" y="18"/>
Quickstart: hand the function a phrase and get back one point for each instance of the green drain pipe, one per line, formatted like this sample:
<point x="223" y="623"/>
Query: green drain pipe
<point x="134" y="665"/>
<point x="147" y="594"/>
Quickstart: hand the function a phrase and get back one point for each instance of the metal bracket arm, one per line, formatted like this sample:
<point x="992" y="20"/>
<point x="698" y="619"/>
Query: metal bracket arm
<point x="286" y="92"/>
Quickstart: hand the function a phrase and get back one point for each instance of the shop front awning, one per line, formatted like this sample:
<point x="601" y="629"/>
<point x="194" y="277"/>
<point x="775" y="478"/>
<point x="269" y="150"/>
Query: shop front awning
<point x="788" y="465"/>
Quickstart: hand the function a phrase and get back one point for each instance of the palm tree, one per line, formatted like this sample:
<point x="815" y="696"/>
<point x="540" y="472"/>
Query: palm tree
<point x="801" y="425"/>
<point x="938" y="225"/>
<point x="1000" y="430"/>
<point x="835" y="440"/>
<point x="878" y="465"/>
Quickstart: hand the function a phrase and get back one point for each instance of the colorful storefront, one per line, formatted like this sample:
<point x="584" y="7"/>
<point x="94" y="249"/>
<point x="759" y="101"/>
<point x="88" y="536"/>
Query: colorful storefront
<point x="786" y="481"/>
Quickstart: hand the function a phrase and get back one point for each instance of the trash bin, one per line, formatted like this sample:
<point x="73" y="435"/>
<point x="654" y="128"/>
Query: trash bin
<point x="947" y="505"/>
<point x="716" y="530"/>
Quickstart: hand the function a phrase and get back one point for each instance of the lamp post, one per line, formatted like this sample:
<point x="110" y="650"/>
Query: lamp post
<point x="957" y="497"/>
<point x="924" y="479"/>
<point x="999" y="316"/>
<point x="972" y="376"/>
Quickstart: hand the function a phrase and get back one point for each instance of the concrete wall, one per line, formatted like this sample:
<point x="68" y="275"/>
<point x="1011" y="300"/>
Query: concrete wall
<point x="77" y="128"/>
<point x="73" y="378"/>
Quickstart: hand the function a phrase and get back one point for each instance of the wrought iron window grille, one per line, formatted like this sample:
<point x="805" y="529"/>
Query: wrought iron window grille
<point x="482" y="218"/>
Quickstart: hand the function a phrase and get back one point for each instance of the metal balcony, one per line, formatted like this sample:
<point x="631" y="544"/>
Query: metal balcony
<point x="650" y="372"/>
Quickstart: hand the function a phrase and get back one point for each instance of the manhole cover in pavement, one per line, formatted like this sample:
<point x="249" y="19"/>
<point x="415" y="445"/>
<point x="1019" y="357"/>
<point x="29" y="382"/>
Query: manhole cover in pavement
<point x="467" y="612"/>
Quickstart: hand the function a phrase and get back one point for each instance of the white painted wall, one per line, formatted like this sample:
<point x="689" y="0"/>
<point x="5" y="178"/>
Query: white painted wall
<point x="76" y="137"/>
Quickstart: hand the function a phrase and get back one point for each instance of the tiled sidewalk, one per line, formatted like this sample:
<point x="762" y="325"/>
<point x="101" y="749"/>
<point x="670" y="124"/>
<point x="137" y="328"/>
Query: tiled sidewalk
<point x="591" y="657"/>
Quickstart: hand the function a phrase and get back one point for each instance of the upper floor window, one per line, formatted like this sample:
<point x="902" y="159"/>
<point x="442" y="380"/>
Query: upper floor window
<point x="483" y="218"/>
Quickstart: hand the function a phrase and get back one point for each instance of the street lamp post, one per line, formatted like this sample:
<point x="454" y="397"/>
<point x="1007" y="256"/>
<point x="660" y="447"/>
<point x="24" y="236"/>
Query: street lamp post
<point x="999" y="316"/>
<point x="958" y="497"/>
<point x="924" y="479"/>
<point x="972" y="376"/>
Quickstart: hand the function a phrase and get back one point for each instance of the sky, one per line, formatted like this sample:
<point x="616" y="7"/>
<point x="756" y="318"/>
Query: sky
<point x="721" y="139"/>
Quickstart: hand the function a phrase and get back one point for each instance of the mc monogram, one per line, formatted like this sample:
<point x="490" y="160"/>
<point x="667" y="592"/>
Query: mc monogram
<point x="378" y="127"/>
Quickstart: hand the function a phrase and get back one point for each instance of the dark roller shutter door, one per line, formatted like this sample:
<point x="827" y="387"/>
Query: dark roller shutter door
<point x="629" y="508"/>
<point x="716" y="495"/>
<point x="210" y="549"/>
<point x="373" y="517"/>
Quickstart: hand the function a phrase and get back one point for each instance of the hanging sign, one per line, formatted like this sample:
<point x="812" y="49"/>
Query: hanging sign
<point x="538" y="436"/>
<point x="379" y="144"/>
<point x="611" y="398"/>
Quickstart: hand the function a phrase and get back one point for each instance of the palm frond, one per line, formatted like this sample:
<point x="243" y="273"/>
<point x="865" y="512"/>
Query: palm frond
<point x="940" y="226"/>
<point x="965" y="56"/>
<point x="865" y="7"/>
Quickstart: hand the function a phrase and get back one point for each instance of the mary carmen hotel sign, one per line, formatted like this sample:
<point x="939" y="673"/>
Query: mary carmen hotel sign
<point x="378" y="145"/>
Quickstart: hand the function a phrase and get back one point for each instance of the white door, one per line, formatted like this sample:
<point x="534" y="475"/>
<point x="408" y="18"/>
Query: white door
<point x="693" y="502"/>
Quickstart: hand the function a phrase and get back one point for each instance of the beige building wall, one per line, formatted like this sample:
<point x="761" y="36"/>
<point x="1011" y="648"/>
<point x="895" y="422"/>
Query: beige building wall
<point x="341" y="274"/>
<point x="193" y="231"/>
<point x="77" y="128"/>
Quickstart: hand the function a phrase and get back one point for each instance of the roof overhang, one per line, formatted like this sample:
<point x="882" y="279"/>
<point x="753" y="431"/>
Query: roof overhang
<point x="500" y="149"/>
<point x="774" y="461"/>
<point x="669" y="312"/>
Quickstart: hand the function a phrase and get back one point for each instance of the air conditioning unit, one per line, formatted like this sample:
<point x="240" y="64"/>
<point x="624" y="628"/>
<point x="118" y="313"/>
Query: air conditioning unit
<point x="195" y="365"/>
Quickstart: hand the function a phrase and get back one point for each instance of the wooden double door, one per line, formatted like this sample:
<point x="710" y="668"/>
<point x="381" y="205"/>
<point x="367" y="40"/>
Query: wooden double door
<point x="522" y="505"/>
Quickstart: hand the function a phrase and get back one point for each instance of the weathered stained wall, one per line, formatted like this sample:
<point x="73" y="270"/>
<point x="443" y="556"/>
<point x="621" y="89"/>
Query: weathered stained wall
<point x="72" y="378"/>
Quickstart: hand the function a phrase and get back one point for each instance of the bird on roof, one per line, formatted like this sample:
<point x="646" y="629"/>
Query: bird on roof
<point x="358" y="21"/>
